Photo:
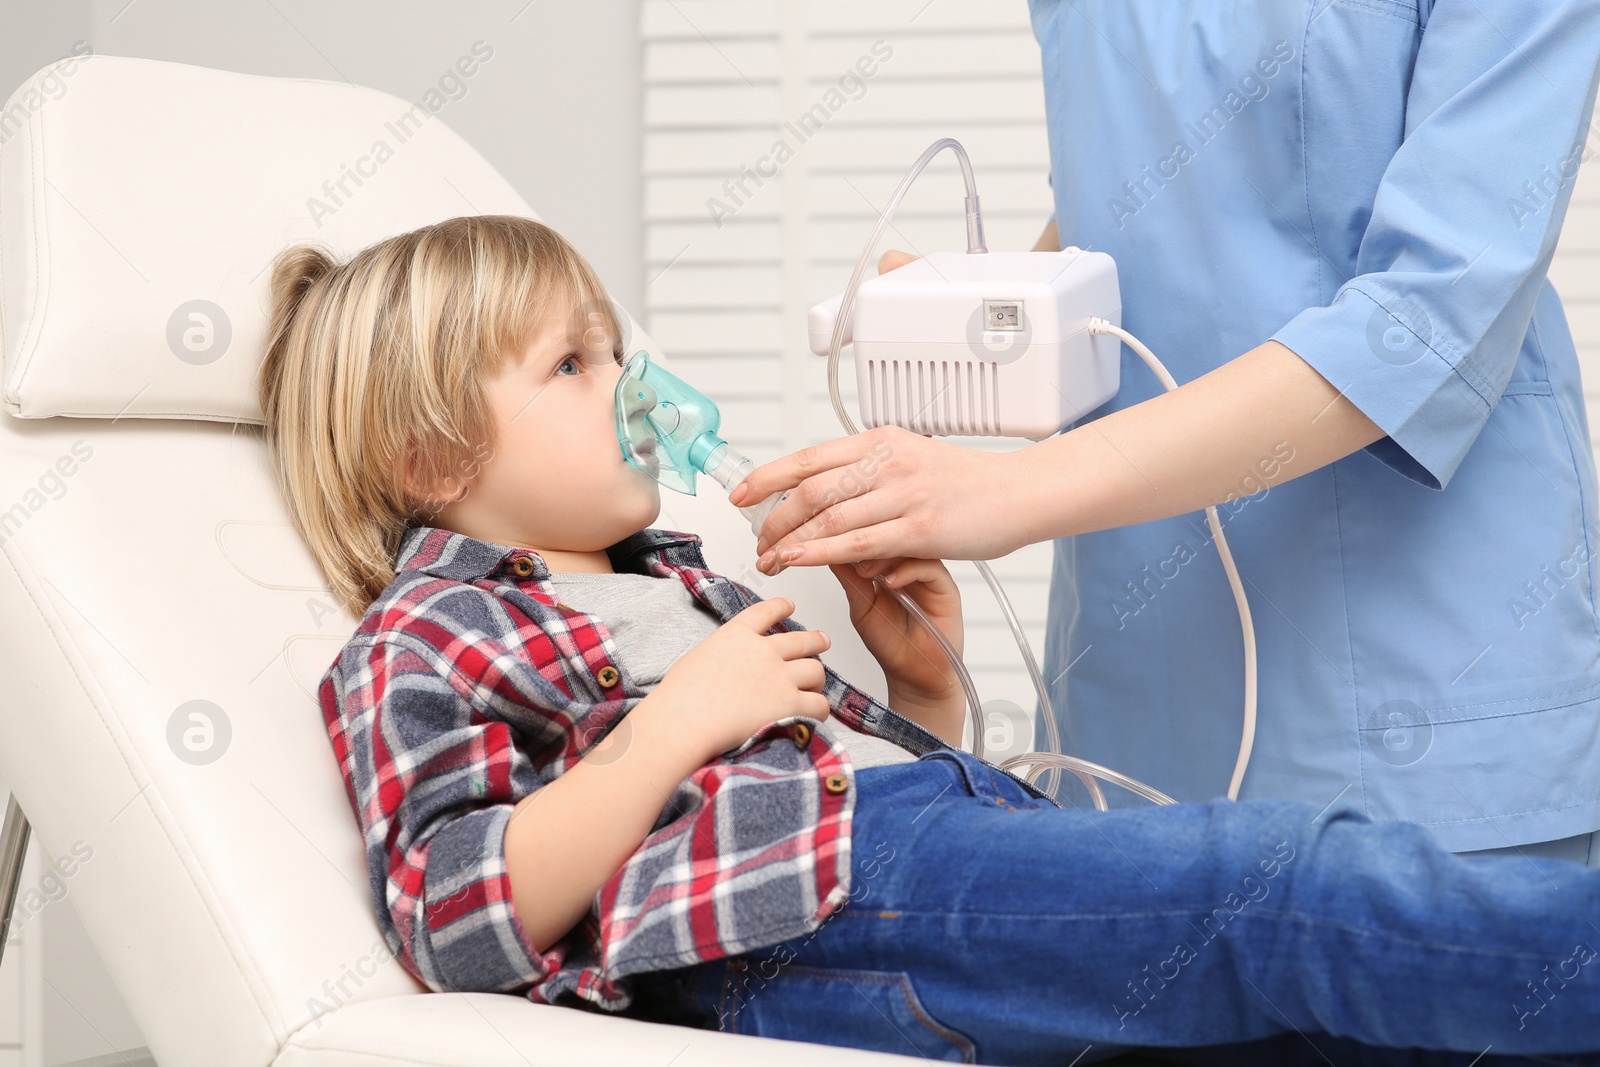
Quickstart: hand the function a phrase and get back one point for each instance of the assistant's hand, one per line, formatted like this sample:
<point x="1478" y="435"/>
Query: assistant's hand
<point x="887" y="492"/>
<point x="914" y="665"/>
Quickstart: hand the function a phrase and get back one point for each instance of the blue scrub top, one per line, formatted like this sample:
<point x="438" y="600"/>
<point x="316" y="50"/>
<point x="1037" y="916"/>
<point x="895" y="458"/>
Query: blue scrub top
<point x="1379" y="185"/>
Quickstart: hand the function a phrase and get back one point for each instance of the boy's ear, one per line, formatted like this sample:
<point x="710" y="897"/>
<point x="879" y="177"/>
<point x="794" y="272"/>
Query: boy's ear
<point x="454" y="488"/>
<point x="410" y="481"/>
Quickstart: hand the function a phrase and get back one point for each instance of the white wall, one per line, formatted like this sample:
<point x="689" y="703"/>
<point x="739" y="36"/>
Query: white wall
<point x="556" y="109"/>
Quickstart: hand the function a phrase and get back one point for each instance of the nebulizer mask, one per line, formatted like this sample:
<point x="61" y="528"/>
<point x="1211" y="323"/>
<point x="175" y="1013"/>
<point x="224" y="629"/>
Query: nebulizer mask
<point x="668" y="429"/>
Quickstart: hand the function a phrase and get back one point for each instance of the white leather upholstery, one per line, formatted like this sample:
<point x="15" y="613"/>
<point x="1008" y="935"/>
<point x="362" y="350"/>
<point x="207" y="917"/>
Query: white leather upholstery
<point x="146" y="562"/>
<point x="485" y="1030"/>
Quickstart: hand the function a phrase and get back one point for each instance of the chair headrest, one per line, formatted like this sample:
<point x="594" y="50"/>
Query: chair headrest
<point x="141" y="203"/>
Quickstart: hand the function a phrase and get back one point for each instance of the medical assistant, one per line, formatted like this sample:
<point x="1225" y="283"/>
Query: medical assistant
<point x="1379" y="186"/>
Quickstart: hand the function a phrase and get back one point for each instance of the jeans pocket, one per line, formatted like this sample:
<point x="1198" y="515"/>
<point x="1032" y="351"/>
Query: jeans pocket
<point x="988" y="782"/>
<point x="875" y="1010"/>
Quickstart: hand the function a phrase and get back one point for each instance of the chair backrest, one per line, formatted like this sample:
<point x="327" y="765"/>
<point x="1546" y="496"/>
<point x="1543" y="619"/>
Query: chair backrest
<point x="162" y="626"/>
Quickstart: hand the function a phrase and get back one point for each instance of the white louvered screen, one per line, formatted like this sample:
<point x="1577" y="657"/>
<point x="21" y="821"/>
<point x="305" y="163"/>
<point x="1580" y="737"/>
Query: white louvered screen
<point x="728" y="301"/>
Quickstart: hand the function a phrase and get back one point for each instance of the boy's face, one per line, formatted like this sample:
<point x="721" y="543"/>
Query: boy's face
<point x="554" y="478"/>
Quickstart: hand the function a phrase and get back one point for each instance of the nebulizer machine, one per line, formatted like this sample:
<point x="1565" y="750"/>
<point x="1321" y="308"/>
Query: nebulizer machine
<point x="980" y="343"/>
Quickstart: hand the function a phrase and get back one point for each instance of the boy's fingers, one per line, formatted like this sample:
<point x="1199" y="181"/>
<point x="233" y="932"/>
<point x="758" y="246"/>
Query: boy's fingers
<point x="764" y="614"/>
<point x="893" y="258"/>
<point x="798" y="644"/>
<point x="868" y="567"/>
<point x="900" y="570"/>
<point x="859" y="593"/>
<point x="913" y="570"/>
<point x="855" y="586"/>
<point x="809" y="675"/>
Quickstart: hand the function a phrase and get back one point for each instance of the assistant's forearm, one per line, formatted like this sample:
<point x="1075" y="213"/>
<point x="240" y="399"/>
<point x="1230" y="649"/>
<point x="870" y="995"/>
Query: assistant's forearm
<point x="1210" y="440"/>
<point x="565" y="840"/>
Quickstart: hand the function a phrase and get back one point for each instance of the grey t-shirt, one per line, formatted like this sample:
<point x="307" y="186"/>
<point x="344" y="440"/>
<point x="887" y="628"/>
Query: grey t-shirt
<point x="654" y="620"/>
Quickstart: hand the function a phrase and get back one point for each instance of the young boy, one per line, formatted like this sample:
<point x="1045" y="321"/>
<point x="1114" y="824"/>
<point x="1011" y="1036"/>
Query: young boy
<point x="592" y="772"/>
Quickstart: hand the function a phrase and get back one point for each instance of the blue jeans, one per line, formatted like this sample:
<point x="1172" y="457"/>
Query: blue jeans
<point x="985" y="926"/>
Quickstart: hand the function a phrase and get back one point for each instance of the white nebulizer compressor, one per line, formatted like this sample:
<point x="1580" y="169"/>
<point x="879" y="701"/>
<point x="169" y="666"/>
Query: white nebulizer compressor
<point x="989" y="344"/>
<point x="995" y="344"/>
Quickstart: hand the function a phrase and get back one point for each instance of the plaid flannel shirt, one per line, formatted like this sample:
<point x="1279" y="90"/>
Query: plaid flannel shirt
<point x="467" y="686"/>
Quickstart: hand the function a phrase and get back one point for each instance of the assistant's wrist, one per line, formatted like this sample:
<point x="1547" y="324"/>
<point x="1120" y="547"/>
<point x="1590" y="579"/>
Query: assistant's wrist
<point x="1038" y="499"/>
<point x="1017" y="499"/>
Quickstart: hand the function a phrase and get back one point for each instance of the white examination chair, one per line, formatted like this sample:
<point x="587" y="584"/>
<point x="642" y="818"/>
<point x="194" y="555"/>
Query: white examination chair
<point x="148" y="570"/>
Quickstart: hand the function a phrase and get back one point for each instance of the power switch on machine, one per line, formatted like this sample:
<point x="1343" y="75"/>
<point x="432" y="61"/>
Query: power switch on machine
<point x="1002" y="315"/>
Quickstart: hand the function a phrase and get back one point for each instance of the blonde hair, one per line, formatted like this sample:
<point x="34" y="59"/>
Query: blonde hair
<point x="384" y="357"/>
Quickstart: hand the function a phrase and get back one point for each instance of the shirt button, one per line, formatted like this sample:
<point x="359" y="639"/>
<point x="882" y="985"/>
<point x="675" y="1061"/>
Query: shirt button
<point x="608" y="676"/>
<point x="801" y="734"/>
<point x="836" y="783"/>
<point x="523" y="566"/>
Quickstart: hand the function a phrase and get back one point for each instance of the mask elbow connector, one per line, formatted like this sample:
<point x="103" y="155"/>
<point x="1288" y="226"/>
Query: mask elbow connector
<point x="728" y="466"/>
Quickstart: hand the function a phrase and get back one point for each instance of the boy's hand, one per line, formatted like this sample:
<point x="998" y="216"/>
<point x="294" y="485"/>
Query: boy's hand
<point x="741" y="678"/>
<point x="917" y="670"/>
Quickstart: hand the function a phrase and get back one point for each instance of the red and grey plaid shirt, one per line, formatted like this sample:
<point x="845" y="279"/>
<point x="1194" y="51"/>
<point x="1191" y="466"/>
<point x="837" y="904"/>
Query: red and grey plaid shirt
<point x="468" y="686"/>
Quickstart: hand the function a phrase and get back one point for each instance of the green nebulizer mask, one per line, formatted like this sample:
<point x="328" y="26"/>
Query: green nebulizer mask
<point x="668" y="429"/>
